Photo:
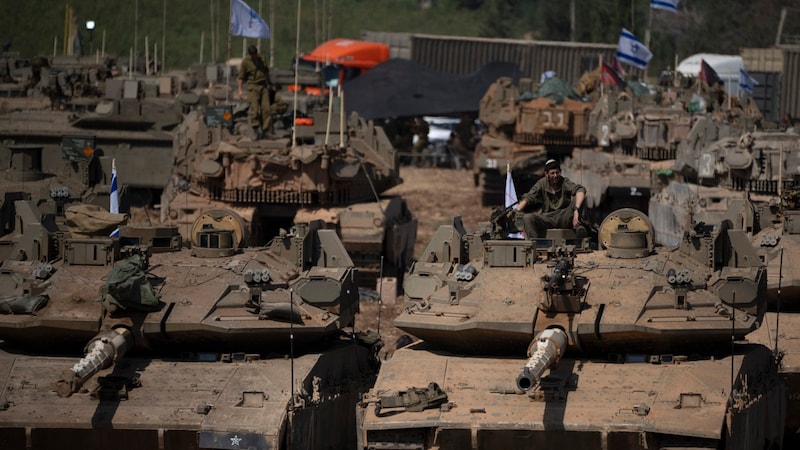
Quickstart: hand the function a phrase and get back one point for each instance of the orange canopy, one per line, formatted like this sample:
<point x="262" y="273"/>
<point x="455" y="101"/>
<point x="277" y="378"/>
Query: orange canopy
<point x="349" y="53"/>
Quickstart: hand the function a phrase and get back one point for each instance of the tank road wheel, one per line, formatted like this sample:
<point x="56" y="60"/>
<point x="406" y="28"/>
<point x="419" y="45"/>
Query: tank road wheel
<point x="492" y="187"/>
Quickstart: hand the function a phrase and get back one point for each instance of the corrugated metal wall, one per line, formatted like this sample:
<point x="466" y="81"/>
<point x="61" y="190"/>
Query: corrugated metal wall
<point x="790" y="84"/>
<point x="399" y="43"/>
<point x="463" y="55"/>
<point x="767" y="94"/>
<point x="762" y="59"/>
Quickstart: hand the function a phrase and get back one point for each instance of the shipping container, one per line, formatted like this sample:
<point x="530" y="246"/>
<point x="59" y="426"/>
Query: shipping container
<point x="463" y="55"/>
<point x="790" y="83"/>
<point x="767" y="94"/>
<point x="762" y="59"/>
<point x="777" y="71"/>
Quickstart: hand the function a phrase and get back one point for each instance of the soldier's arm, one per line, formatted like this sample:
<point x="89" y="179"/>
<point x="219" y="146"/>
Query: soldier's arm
<point x="532" y="197"/>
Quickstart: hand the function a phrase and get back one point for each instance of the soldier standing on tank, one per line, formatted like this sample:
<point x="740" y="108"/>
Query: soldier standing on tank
<point x="559" y="198"/>
<point x="254" y="73"/>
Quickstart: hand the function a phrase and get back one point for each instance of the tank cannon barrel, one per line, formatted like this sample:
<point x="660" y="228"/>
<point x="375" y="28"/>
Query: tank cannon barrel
<point x="544" y="352"/>
<point x="102" y="351"/>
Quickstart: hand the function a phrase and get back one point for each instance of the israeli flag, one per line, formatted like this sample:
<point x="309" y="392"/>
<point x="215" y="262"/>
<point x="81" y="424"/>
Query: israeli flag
<point x="511" y="198"/>
<point x="630" y="50"/>
<point x="246" y="22"/>
<point x="666" y="5"/>
<point x="746" y="82"/>
<point x="114" y="196"/>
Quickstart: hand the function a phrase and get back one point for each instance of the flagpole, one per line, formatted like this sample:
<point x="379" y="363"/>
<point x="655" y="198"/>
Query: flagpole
<point x="647" y="37"/>
<point x="296" y="81"/>
<point x="258" y="40"/>
<point x="135" y="33"/>
<point x="272" y="33"/>
<point x="164" y="40"/>
<point x="601" y="76"/>
<point x="213" y="32"/>
<point x="730" y="78"/>
<point x="228" y="55"/>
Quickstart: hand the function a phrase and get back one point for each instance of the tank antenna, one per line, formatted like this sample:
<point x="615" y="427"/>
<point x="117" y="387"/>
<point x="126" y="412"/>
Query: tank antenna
<point x="733" y="338"/>
<point x="371" y="185"/>
<point x="380" y="296"/>
<point x="330" y="114"/>
<point x="291" y="344"/>
<point x="342" y="114"/>
<point x="296" y="75"/>
<point x="778" y="315"/>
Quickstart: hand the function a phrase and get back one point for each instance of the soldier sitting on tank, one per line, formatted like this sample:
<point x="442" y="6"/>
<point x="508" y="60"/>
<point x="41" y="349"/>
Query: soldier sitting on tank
<point x="559" y="200"/>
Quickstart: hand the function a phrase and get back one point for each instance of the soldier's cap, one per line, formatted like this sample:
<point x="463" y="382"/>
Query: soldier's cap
<point x="551" y="164"/>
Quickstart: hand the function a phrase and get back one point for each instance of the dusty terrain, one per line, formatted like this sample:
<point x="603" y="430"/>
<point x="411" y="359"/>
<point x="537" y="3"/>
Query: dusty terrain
<point x="434" y="196"/>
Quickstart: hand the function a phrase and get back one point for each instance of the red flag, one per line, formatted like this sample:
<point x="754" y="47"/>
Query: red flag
<point x="617" y="66"/>
<point x="708" y="74"/>
<point x="610" y="76"/>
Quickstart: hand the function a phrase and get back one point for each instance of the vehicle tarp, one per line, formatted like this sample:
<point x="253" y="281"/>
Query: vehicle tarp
<point x="555" y="89"/>
<point x="403" y="88"/>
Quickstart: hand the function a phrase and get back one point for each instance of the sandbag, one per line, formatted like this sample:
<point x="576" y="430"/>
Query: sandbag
<point x="84" y="221"/>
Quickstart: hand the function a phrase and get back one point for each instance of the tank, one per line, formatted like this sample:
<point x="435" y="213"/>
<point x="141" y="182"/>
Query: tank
<point x="642" y="138"/>
<point x="776" y="238"/>
<point x="126" y="119"/>
<point x="779" y="331"/>
<point x="752" y="175"/>
<point x="137" y="341"/>
<point x="523" y="129"/>
<point x="546" y="343"/>
<point x="328" y="167"/>
<point x="667" y="121"/>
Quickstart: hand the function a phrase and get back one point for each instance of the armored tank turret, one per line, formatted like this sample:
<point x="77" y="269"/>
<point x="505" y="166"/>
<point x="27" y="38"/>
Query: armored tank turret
<point x="326" y="167"/>
<point x="645" y="138"/>
<point x="522" y="129"/>
<point x="545" y="343"/>
<point x="752" y="175"/>
<point x="137" y="341"/>
<point x="129" y="120"/>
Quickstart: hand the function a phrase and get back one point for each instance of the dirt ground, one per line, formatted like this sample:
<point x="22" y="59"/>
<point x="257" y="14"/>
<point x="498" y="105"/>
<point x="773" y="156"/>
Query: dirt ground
<point x="434" y="196"/>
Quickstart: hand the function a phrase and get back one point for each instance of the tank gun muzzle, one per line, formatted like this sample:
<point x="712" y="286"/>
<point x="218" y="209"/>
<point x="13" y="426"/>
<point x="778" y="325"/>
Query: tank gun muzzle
<point x="544" y="352"/>
<point x="103" y="350"/>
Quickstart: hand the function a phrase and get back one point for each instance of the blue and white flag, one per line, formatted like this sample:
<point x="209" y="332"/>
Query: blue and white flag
<point x="114" y="196"/>
<point x="630" y="50"/>
<point x="666" y="5"/>
<point x="511" y="198"/>
<point x="246" y="22"/>
<point x="746" y="82"/>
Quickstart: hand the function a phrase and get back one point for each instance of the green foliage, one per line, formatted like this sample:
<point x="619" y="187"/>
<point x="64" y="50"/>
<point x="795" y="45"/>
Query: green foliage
<point x="35" y="28"/>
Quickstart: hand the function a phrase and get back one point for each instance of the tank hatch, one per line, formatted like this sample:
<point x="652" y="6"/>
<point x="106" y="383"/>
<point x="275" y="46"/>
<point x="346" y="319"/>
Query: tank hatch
<point x="627" y="234"/>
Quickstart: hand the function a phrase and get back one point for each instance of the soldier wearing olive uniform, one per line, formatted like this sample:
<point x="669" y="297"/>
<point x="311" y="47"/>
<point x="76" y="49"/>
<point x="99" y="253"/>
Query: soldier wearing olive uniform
<point x="254" y="74"/>
<point x="559" y="198"/>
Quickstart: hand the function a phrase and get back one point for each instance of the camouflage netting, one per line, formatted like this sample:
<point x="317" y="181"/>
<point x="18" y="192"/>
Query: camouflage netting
<point x="84" y="221"/>
<point x="555" y="89"/>
<point x="22" y="304"/>
<point x="127" y="287"/>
